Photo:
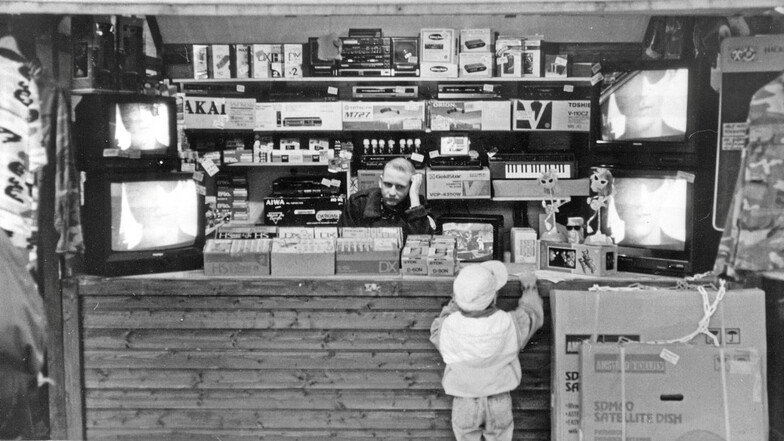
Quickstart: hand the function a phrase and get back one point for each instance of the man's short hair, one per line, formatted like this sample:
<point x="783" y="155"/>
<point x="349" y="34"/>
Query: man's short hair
<point x="402" y="165"/>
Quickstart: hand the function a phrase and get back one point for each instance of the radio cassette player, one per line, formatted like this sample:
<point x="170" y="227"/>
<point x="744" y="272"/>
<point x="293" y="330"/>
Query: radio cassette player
<point x="365" y="56"/>
<point x="386" y="92"/>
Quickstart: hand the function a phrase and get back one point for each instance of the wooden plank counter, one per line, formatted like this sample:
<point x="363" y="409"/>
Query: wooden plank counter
<point x="271" y="358"/>
<point x="183" y="356"/>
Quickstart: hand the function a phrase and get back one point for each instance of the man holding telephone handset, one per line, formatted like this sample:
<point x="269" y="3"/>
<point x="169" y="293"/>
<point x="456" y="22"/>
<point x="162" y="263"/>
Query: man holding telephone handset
<point x="395" y="203"/>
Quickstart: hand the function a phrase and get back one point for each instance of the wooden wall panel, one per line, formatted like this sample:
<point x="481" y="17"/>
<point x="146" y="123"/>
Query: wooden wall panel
<point x="278" y="359"/>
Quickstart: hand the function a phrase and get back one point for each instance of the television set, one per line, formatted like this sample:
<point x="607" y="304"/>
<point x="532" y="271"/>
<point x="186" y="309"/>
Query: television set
<point x="142" y="222"/>
<point x="647" y="115"/>
<point x="478" y="235"/>
<point x="126" y="131"/>
<point x="651" y="217"/>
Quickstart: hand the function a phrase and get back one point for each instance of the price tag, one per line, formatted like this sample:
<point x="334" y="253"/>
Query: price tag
<point x="434" y="154"/>
<point x="596" y="67"/>
<point x="400" y="90"/>
<point x="596" y="78"/>
<point x="198" y="176"/>
<point x="689" y="177"/>
<point x="201" y="190"/>
<point x="417" y="157"/>
<point x="332" y="90"/>
<point x="240" y="88"/>
<point x="111" y="153"/>
<point x="335" y="182"/>
<point x="501" y="60"/>
<point x="568" y="88"/>
<point x="488" y="88"/>
<point x="209" y="166"/>
<point x="669" y="356"/>
<point x="560" y="61"/>
<point x="326" y="182"/>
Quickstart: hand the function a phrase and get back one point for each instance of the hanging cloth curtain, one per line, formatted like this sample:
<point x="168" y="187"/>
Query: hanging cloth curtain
<point x="753" y="238"/>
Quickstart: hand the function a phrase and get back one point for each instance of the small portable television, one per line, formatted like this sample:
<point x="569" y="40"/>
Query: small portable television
<point x="651" y="219"/>
<point x="150" y="222"/>
<point x="478" y="235"/>
<point x="126" y="131"/>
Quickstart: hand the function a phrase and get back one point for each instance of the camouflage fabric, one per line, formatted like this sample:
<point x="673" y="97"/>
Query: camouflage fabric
<point x="753" y="237"/>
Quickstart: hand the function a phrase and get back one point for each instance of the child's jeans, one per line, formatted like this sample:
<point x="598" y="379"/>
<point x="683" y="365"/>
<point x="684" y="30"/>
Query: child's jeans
<point x="490" y="417"/>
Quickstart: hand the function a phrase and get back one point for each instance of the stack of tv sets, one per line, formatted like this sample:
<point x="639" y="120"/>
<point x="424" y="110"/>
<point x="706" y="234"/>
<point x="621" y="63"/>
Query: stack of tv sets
<point x="139" y="214"/>
<point x="649" y="133"/>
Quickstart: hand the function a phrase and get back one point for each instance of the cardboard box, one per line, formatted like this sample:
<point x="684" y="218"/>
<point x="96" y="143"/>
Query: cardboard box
<point x="476" y="40"/>
<point x="243" y="231"/>
<point x="383" y="115"/>
<point x="458" y="184"/>
<point x="219" y="113"/>
<point x="241" y="55"/>
<point x="296" y="233"/>
<point x="441" y="259"/>
<point x="303" y="257"/>
<point x="220" y="61"/>
<point x="437" y="69"/>
<point x="575" y="258"/>
<point x="524" y="247"/>
<point x="264" y="56"/>
<point x="548" y="114"/>
<point x="413" y="260"/>
<point x="530" y="188"/>
<point x="201" y="61"/>
<point x="367" y="255"/>
<point x="509" y="59"/>
<point x="438" y="45"/>
<point x="533" y="56"/>
<point x="640" y="315"/>
<point x="237" y="257"/>
<point x="292" y="60"/>
<point x="306" y="211"/>
<point x="395" y="233"/>
<point x="469" y="115"/>
<point x="476" y="64"/>
<point x="671" y="392"/>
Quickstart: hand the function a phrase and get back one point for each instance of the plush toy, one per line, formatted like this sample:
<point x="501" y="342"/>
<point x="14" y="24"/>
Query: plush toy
<point x="549" y="181"/>
<point x="602" y="185"/>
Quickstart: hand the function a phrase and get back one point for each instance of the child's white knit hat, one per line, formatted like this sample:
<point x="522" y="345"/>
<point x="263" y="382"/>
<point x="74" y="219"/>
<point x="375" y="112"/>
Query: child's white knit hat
<point x="475" y="285"/>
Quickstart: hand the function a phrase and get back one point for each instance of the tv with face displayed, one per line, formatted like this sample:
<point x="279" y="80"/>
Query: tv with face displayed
<point x="126" y="131"/>
<point x="142" y="222"/>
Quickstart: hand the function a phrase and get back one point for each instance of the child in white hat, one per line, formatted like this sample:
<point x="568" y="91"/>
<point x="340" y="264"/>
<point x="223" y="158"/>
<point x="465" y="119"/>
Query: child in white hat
<point x="480" y="345"/>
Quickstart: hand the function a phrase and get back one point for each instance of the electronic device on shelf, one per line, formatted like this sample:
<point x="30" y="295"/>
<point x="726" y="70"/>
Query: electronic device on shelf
<point x="385" y="92"/>
<point x="141" y="222"/>
<point x="304" y="186"/>
<point x="114" y="131"/>
<point x="478" y="235"/>
<point x="468" y="91"/>
<point x="532" y="165"/>
<point x="455" y="163"/>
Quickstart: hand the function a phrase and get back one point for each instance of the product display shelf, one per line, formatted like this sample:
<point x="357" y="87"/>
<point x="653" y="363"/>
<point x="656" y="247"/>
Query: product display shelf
<point x="566" y="80"/>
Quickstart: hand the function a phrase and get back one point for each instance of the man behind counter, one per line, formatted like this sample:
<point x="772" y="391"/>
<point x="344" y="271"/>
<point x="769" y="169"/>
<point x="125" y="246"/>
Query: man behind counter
<point x="395" y="203"/>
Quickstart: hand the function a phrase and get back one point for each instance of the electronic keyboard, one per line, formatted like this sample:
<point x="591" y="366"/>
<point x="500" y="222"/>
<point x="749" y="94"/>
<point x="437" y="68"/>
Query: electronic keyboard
<point x="532" y="165"/>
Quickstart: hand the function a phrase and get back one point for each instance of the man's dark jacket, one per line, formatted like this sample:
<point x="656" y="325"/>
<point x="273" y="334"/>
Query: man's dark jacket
<point x="366" y="209"/>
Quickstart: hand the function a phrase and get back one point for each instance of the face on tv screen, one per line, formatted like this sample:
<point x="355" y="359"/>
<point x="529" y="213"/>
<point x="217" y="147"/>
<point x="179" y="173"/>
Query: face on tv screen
<point x="649" y="213"/>
<point x="474" y="240"/>
<point x="142" y="126"/>
<point x="645" y="105"/>
<point x="153" y="215"/>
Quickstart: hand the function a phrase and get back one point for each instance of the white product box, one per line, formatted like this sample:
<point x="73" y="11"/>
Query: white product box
<point x="458" y="184"/>
<point x="220" y="61"/>
<point x="476" y="40"/>
<point x="607" y="316"/>
<point x="298" y="117"/>
<point x="429" y="69"/>
<point x="533" y="56"/>
<point x="524" y="246"/>
<point x="383" y="115"/>
<point x="219" y="113"/>
<point x="437" y="45"/>
<point x="476" y="64"/>
<point x="469" y="115"/>
<point x="241" y="55"/>
<point x="201" y="64"/>
<point x="264" y="55"/>
<point x="292" y="60"/>
<point x="569" y="115"/>
<point x="509" y="57"/>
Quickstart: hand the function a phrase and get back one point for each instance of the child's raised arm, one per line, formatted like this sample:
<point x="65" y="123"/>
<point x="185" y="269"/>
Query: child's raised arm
<point x="529" y="314"/>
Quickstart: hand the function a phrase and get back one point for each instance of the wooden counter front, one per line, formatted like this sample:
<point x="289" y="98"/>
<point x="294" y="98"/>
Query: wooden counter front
<point x="274" y="358"/>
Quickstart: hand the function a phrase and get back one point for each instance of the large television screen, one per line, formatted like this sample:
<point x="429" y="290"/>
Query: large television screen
<point x="645" y="105"/>
<point x="650" y="217"/>
<point x="142" y="222"/>
<point x="155" y="214"/>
